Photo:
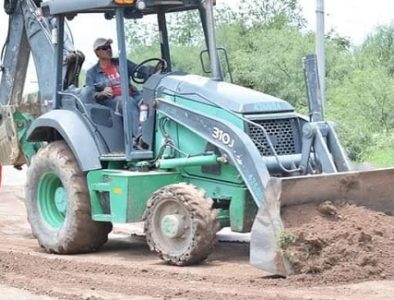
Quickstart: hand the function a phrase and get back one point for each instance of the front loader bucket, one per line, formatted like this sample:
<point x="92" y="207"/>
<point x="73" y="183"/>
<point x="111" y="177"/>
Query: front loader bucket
<point x="373" y="189"/>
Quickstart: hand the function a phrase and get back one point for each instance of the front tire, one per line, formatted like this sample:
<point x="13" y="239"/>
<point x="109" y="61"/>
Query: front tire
<point x="180" y="224"/>
<point x="58" y="203"/>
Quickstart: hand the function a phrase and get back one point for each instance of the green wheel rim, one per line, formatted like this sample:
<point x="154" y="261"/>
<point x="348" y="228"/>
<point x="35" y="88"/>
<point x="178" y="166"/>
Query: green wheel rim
<point x="52" y="200"/>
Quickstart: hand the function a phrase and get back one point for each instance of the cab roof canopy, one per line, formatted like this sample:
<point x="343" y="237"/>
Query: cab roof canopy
<point x="73" y="7"/>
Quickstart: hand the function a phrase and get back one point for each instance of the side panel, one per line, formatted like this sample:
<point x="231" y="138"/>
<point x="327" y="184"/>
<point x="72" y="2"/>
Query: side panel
<point x="73" y="130"/>
<point x="192" y="144"/>
<point x="121" y="196"/>
<point x="235" y="143"/>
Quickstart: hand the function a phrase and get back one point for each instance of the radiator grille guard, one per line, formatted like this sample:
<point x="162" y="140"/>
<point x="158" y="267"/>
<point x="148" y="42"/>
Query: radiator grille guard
<point x="284" y="135"/>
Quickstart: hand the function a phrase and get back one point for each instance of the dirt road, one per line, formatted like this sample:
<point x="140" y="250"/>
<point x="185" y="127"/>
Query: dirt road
<point x="125" y="269"/>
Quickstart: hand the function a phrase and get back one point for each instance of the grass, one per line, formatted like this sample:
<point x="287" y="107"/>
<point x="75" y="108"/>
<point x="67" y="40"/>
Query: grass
<point x="382" y="157"/>
<point x="286" y="239"/>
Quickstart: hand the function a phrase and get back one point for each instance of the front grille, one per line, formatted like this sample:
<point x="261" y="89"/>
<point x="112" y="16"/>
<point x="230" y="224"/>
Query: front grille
<point x="282" y="132"/>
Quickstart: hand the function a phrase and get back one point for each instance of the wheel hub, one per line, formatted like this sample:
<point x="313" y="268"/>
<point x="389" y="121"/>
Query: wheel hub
<point x="172" y="226"/>
<point x="61" y="199"/>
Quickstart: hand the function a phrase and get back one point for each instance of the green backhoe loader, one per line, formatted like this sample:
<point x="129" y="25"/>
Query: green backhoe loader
<point x="211" y="154"/>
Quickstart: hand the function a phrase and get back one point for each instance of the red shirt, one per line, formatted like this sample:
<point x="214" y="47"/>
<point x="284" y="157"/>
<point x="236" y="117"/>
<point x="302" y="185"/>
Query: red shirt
<point x="114" y="78"/>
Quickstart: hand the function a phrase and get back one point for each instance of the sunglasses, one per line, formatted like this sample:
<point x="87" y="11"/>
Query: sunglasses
<point x="104" y="48"/>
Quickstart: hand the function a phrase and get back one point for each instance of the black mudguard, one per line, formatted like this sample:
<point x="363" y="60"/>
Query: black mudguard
<point x="71" y="127"/>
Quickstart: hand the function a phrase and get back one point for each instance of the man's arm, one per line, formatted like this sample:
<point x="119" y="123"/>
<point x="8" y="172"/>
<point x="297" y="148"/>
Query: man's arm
<point x="89" y="81"/>
<point x="98" y="95"/>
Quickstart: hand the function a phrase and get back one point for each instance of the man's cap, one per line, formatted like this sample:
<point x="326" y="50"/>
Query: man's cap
<point x="101" y="42"/>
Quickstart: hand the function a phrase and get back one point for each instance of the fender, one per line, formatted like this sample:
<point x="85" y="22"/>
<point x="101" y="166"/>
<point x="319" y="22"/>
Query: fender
<point x="71" y="127"/>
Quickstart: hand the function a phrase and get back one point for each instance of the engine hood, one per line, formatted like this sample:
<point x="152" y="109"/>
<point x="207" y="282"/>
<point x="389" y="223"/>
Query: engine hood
<point x="236" y="98"/>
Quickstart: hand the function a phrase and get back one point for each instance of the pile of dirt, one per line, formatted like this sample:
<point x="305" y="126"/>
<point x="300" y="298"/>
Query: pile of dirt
<point x="342" y="242"/>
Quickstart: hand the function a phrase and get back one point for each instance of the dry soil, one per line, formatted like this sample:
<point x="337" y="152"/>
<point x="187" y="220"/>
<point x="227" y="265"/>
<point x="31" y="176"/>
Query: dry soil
<point x="125" y="269"/>
<point x="340" y="242"/>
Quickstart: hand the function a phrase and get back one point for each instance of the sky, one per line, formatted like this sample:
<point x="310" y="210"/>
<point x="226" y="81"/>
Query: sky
<point x="353" y="19"/>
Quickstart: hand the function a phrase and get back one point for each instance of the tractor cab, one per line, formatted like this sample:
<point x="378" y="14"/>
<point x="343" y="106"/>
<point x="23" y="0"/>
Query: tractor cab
<point x="68" y="65"/>
<point x="136" y="9"/>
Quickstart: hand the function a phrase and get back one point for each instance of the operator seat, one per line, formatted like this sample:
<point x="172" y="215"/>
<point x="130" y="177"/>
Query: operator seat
<point x="73" y="61"/>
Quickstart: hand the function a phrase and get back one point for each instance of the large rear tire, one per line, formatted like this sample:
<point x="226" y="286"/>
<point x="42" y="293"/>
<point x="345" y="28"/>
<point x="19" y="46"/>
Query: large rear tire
<point x="180" y="224"/>
<point x="58" y="204"/>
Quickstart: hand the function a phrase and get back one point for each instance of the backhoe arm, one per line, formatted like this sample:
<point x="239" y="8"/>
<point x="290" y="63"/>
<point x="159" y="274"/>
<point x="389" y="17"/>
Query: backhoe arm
<point x="28" y="32"/>
<point x="15" y="58"/>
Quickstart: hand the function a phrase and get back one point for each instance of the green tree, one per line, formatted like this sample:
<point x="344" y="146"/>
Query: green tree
<point x="272" y="13"/>
<point x="185" y="28"/>
<point x="140" y="34"/>
<point x="378" y="49"/>
<point x="360" y="96"/>
<point x="266" y="42"/>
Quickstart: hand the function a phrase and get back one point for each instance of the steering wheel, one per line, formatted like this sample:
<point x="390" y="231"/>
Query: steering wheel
<point x="160" y="67"/>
